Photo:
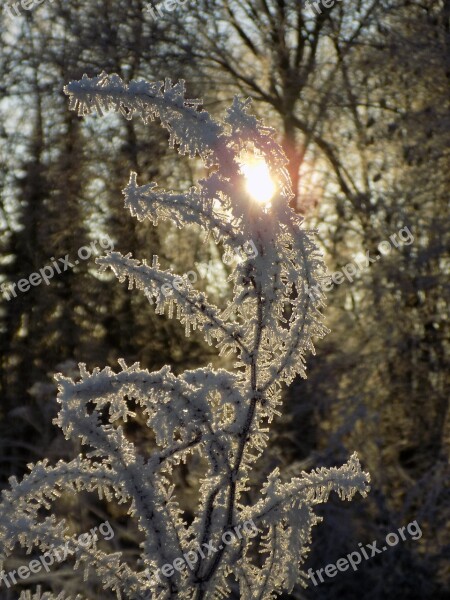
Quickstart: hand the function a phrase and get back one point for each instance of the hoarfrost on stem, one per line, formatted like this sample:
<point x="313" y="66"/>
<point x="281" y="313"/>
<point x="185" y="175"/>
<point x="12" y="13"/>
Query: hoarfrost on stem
<point x="268" y="326"/>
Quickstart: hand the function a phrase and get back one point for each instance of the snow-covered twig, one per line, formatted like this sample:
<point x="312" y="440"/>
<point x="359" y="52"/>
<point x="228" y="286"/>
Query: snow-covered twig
<point x="223" y="416"/>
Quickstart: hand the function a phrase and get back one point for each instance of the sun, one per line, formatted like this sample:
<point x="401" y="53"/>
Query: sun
<point x="260" y="184"/>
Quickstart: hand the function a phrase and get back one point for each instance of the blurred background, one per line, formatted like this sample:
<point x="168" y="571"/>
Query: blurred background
<point x="358" y="94"/>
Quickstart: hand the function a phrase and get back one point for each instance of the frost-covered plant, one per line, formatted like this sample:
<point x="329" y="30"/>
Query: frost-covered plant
<point x="222" y="415"/>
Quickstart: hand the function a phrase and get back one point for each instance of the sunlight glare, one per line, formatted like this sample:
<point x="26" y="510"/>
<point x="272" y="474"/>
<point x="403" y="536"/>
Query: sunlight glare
<point x="260" y="184"/>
